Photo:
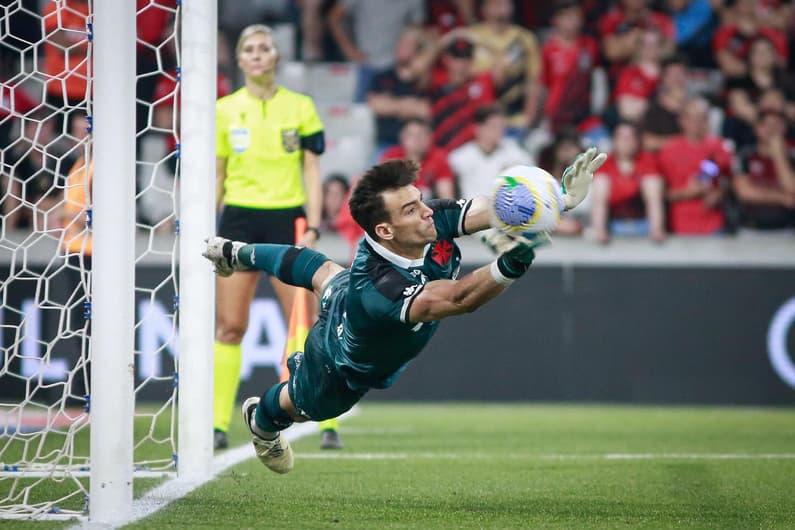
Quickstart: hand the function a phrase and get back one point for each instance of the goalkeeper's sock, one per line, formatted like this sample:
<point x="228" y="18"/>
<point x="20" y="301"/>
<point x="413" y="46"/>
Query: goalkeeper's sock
<point x="226" y="380"/>
<point x="270" y="417"/>
<point x="292" y="265"/>
<point x="328" y="425"/>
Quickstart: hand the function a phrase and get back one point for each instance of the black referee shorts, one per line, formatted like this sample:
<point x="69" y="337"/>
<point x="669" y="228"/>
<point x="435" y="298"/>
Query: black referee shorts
<point x="253" y="225"/>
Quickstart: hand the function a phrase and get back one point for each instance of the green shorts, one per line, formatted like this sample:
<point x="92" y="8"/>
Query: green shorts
<point x="316" y="389"/>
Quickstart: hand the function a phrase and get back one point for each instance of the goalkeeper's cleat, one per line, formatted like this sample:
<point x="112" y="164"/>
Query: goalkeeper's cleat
<point x="275" y="453"/>
<point x="223" y="254"/>
<point x="330" y="439"/>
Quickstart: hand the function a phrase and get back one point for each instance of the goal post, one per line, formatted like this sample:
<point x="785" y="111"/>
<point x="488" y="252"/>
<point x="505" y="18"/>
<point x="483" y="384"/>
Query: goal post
<point x="197" y="207"/>
<point x="112" y="400"/>
<point x="106" y="305"/>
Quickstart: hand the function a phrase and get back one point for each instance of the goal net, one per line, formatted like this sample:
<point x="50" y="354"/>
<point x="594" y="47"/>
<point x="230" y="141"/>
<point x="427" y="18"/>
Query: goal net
<point x="46" y="246"/>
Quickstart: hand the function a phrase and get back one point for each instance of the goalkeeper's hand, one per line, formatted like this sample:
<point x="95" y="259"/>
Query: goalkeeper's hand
<point x="520" y="248"/>
<point x="578" y="176"/>
<point x="223" y="254"/>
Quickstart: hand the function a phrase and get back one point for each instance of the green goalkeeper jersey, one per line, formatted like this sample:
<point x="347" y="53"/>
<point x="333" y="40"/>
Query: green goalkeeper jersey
<point x="364" y="327"/>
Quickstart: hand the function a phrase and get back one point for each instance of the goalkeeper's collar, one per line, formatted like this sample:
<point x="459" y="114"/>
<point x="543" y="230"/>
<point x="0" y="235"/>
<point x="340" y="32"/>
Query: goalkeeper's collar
<point x="397" y="259"/>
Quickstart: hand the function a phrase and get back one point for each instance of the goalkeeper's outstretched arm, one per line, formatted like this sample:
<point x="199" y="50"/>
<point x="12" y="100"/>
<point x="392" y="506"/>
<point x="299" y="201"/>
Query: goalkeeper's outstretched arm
<point x="443" y="298"/>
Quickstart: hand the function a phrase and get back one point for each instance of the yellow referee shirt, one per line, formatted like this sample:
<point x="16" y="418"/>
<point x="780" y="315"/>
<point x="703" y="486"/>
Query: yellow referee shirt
<point x="261" y="142"/>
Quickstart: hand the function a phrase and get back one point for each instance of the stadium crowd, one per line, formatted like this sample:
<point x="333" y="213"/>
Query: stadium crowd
<point x="694" y="100"/>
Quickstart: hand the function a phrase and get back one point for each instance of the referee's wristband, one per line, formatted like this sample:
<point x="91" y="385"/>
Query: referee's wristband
<point x="314" y="229"/>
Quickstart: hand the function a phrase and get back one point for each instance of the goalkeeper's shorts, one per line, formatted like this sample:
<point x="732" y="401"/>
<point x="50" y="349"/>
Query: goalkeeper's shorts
<point x="316" y="389"/>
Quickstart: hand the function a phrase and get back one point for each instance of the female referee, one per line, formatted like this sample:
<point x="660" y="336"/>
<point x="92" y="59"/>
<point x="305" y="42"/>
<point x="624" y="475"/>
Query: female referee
<point x="268" y="144"/>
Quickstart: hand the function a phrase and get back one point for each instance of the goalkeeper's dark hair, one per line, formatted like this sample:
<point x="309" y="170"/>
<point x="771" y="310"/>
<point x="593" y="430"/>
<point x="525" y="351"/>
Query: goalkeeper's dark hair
<point x="367" y="200"/>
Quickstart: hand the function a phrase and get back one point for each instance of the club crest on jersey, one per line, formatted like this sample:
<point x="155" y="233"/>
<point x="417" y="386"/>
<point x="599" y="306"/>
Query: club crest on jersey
<point x="290" y="140"/>
<point x="240" y="138"/>
<point x="441" y="252"/>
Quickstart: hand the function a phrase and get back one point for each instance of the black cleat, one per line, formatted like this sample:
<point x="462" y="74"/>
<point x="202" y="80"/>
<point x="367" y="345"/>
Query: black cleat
<point x="219" y="440"/>
<point x="330" y="439"/>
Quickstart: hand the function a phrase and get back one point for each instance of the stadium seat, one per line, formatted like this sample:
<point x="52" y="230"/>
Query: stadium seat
<point x="284" y="38"/>
<point x="292" y="75"/>
<point x="332" y="82"/>
<point x="600" y="91"/>
<point x="350" y="134"/>
<point x="347" y="119"/>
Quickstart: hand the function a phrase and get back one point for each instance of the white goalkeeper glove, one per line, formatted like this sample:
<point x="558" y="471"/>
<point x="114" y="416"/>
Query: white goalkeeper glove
<point x="223" y="254"/>
<point x="518" y="247"/>
<point x="578" y="176"/>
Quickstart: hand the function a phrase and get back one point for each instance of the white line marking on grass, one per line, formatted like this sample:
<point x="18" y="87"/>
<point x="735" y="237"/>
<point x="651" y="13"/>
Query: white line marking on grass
<point x="175" y="488"/>
<point x="527" y="456"/>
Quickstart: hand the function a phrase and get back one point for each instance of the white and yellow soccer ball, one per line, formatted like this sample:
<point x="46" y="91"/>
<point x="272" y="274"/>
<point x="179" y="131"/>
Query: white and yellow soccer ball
<point x="526" y="199"/>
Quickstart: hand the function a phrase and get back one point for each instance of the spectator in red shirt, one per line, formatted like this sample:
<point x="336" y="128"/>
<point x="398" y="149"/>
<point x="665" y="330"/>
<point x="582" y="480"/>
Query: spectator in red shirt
<point x="621" y="29"/>
<point x="733" y="39"/>
<point x="765" y="184"/>
<point x="435" y="178"/>
<point x="693" y="165"/>
<point x="569" y="58"/>
<point x="628" y="186"/>
<point x="455" y="94"/>
<point x="638" y="81"/>
<point x="442" y="16"/>
<point x="660" y="122"/>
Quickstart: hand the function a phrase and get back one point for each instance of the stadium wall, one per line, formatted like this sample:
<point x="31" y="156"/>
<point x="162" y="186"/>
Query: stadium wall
<point x="606" y="333"/>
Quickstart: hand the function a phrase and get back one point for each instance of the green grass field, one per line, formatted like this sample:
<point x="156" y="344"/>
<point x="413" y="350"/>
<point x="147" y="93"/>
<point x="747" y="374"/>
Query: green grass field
<point x="516" y="466"/>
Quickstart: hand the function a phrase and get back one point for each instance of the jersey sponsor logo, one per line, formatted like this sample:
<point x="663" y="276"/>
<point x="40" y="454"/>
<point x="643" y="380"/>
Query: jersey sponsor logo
<point x="416" y="273"/>
<point x="240" y="137"/>
<point x="442" y="252"/>
<point x="290" y="140"/>
<point x="410" y="290"/>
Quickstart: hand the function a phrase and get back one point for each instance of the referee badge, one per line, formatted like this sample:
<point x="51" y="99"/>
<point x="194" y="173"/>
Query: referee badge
<point x="290" y="140"/>
<point x="240" y="138"/>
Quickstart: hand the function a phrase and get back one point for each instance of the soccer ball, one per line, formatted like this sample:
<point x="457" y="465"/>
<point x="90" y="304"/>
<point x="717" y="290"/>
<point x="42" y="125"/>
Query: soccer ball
<point x="526" y="199"/>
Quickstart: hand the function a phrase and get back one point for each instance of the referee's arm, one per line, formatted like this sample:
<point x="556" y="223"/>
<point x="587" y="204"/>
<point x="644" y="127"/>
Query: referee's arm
<point x="220" y="176"/>
<point x="314" y="195"/>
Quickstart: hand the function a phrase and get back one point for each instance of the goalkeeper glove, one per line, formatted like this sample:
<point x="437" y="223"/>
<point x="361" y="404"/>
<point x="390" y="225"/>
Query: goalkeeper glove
<point x="223" y="255"/>
<point x="578" y="176"/>
<point x="516" y="252"/>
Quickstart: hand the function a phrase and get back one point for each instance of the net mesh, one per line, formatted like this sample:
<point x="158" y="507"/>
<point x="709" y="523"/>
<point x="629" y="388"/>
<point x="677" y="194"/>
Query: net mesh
<point x="45" y="251"/>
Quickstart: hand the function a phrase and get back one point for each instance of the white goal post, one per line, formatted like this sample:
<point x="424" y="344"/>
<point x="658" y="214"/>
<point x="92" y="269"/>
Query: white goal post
<point x="87" y="408"/>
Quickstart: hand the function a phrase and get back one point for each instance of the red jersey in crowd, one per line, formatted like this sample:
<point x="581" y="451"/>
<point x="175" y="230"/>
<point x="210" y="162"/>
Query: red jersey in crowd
<point x="433" y="168"/>
<point x="453" y="107"/>
<point x="66" y="63"/>
<point x="680" y="161"/>
<point x="616" y="22"/>
<point x="625" y="187"/>
<point x="443" y="15"/>
<point x="730" y="38"/>
<point x="760" y="169"/>
<point x="635" y="81"/>
<point x="152" y="19"/>
<point x="567" y="77"/>
<point x="14" y="101"/>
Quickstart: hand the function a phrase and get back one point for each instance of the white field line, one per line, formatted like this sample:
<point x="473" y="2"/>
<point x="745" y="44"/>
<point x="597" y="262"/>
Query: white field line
<point x="174" y="489"/>
<point x="530" y="456"/>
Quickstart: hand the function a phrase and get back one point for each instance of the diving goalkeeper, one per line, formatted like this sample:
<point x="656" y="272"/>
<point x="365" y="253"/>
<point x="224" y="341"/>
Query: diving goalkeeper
<point x="379" y="314"/>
